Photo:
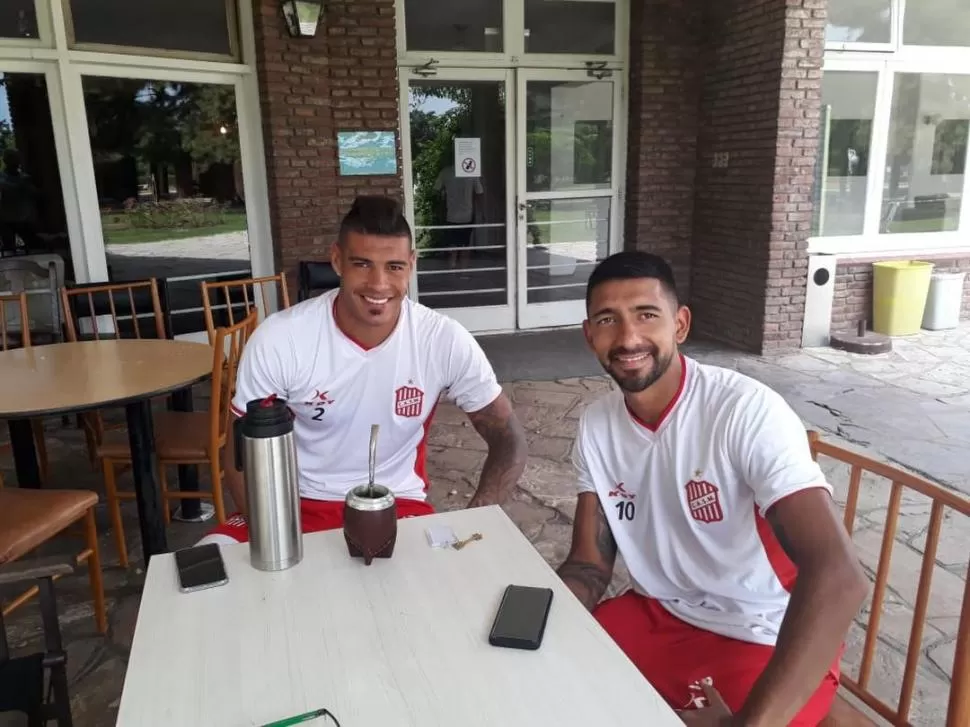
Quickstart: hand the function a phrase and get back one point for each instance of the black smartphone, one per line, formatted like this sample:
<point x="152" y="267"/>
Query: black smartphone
<point x="200" y="567"/>
<point x="521" y="618"/>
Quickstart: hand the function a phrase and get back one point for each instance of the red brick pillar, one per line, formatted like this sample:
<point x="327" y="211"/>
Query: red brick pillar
<point x="662" y="145"/>
<point x="760" y="105"/>
<point x="344" y="79"/>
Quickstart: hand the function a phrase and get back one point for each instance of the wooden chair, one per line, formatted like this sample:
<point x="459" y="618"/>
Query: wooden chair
<point x="844" y="714"/>
<point x="232" y="295"/>
<point x="315" y="277"/>
<point x="136" y="301"/>
<point x="30" y="518"/>
<point x="17" y="337"/>
<point x="185" y="438"/>
<point x="22" y="687"/>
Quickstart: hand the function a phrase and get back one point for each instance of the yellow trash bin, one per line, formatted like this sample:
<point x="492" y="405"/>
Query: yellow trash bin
<point x="899" y="290"/>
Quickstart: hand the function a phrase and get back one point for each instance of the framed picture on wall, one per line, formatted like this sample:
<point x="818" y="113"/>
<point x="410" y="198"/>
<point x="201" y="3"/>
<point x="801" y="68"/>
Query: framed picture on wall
<point x="363" y="153"/>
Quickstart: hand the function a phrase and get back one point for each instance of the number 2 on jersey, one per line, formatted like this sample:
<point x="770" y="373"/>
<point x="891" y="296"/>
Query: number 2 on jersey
<point x="318" y="413"/>
<point x="625" y="510"/>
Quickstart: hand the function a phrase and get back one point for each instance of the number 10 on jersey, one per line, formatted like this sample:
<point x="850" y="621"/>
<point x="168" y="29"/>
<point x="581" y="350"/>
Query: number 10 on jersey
<point x="625" y="510"/>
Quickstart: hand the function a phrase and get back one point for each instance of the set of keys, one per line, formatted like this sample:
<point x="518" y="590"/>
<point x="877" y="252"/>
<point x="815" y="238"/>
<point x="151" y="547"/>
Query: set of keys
<point x="459" y="544"/>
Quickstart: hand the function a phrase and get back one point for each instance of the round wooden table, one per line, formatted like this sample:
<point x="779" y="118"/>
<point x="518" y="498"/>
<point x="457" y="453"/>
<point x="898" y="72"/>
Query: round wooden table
<point x="68" y="378"/>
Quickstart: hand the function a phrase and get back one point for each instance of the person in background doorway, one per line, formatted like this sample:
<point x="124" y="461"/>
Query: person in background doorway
<point x="744" y="580"/>
<point x="367" y="354"/>
<point x="462" y="195"/>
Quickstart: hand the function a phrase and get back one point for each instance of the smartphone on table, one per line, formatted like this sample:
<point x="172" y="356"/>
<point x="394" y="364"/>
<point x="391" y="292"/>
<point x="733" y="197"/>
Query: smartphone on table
<point x="520" y="621"/>
<point x="200" y="567"/>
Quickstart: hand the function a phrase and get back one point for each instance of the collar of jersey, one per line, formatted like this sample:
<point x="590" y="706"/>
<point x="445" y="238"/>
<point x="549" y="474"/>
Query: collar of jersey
<point x="652" y="429"/>
<point x="360" y="346"/>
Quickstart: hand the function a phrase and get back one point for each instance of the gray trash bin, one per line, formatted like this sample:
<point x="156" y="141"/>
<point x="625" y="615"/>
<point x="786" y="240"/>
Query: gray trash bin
<point x="944" y="301"/>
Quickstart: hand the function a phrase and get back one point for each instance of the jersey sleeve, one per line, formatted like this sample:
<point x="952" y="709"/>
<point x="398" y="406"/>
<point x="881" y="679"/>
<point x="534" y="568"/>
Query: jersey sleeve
<point x="774" y="454"/>
<point x="469" y="378"/>
<point x="584" y="478"/>
<point x="263" y="369"/>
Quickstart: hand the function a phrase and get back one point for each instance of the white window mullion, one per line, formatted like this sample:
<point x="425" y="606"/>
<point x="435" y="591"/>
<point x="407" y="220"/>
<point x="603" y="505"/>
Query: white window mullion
<point x="879" y="148"/>
<point x="513" y="33"/>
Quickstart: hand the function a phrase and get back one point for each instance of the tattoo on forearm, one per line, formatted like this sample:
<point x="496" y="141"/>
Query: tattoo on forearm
<point x="501" y="429"/>
<point x="589" y="581"/>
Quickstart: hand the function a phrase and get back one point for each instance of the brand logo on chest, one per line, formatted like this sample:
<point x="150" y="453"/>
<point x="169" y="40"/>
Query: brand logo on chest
<point x="704" y="501"/>
<point x="408" y="401"/>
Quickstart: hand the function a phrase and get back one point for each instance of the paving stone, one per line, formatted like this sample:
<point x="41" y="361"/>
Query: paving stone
<point x="551" y="483"/>
<point x="546" y="398"/>
<point x="553" y="543"/>
<point x="528" y="516"/>
<point x="946" y="593"/>
<point x="463" y="436"/>
<point x="943" y="655"/>
<point x="896" y="624"/>
<point x="953" y="549"/>
<point x="931" y="692"/>
<point x="557" y="448"/>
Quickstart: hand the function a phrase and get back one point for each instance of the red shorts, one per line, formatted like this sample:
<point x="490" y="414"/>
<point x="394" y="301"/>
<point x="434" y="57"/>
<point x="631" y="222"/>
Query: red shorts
<point x="673" y="655"/>
<point x="316" y="515"/>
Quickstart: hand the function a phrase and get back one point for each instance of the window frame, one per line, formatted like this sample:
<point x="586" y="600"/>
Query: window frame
<point x="513" y="53"/>
<point x="938" y="60"/>
<point x="232" y="20"/>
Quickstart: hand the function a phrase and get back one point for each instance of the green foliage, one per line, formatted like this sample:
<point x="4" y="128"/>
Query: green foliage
<point x="183" y="214"/>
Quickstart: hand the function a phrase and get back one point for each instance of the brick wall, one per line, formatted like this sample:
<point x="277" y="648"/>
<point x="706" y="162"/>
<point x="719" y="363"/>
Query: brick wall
<point x="662" y="146"/>
<point x="852" y="300"/>
<point x="759" y="104"/>
<point x="344" y="79"/>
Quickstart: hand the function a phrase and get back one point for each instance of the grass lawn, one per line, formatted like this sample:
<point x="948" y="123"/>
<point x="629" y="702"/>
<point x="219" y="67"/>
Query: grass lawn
<point x="117" y="235"/>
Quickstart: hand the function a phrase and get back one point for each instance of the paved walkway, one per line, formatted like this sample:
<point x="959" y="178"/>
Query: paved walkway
<point x="878" y="403"/>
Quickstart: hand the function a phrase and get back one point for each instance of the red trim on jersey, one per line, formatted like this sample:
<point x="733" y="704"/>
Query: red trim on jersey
<point x="421" y="456"/>
<point x="780" y="562"/>
<point x="362" y="346"/>
<point x="670" y="405"/>
<point x="236" y="411"/>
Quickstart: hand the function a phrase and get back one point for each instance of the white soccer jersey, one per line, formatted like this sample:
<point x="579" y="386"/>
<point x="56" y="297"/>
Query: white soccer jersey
<point x="686" y="498"/>
<point x="338" y="389"/>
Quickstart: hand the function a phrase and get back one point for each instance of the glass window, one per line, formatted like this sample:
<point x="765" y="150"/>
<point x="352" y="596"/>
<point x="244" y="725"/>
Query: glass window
<point x="569" y="133"/>
<point x="459" y="216"/>
<point x="565" y="240"/>
<point x="849" y="101"/>
<point x="570" y="26"/>
<point x="33" y="224"/>
<point x="937" y="22"/>
<point x="170" y="189"/>
<point x="189" y="26"/>
<point x="18" y="19"/>
<point x="927" y="153"/>
<point x="447" y="25"/>
<point x="859" y="21"/>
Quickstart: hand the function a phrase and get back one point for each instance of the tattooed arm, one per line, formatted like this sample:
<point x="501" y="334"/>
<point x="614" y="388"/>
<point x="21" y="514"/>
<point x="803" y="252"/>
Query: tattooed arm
<point x="589" y="567"/>
<point x="502" y="431"/>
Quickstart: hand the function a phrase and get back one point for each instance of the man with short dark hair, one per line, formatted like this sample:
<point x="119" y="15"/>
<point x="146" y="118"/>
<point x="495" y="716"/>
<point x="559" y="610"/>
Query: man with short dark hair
<point x="744" y="581"/>
<point x="366" y="354"/>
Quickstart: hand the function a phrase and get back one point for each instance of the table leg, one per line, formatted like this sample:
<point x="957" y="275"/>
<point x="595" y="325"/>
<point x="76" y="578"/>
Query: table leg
<point x="141" y="438"/>
<point x="24" y="453"/>
<point x="191" y="511"/>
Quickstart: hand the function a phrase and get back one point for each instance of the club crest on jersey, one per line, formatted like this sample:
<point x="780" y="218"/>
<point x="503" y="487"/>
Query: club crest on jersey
<point x="408" y="401"/>
<point x="320" y="398"/>
<point x="704" y="501"/>
<point x="620" y="491"/>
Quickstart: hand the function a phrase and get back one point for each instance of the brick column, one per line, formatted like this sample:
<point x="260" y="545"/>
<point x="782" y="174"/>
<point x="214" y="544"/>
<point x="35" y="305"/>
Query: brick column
<point x="662" y="146"/>
<point x="760" y="105"/>
<point x="344" y="79"/>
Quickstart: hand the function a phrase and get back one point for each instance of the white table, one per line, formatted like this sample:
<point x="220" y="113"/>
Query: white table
<point x="401" y="642"/>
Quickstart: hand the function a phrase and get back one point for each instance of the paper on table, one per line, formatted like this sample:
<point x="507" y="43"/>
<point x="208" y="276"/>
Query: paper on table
<point x="441" y="536"/>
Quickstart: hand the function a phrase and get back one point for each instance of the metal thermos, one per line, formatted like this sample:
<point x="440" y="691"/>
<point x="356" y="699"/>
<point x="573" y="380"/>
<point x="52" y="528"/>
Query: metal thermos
<point x="266" y="455"/>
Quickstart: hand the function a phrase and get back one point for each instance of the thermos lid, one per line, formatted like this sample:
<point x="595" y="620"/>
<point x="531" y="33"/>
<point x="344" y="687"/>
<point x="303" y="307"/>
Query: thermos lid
<point x="265" y="418"/>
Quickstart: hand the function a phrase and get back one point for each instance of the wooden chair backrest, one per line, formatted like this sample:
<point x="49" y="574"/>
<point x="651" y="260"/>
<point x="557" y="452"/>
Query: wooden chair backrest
<point x="23" y="333"/>
<point x="136" y="300"/>
<point x="227" y="350"/>
<point x="958" y="711"/>
<point x="234" y="294"/>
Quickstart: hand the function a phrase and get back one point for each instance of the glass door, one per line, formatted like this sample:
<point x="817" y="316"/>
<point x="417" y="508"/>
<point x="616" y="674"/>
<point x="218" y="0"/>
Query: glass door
<point x="568" y="190"/>
<point x="457" y="149"/>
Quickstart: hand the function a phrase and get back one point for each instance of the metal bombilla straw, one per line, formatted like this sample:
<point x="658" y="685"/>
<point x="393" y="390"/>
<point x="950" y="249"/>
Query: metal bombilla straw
<point x="374" y="428"/>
